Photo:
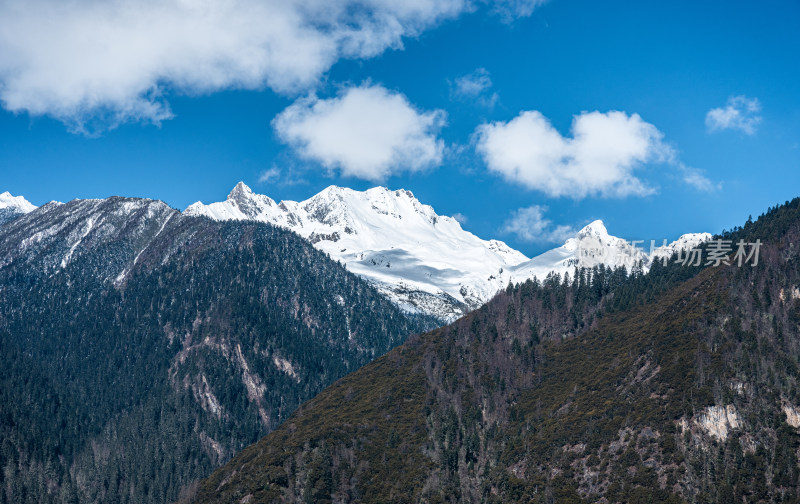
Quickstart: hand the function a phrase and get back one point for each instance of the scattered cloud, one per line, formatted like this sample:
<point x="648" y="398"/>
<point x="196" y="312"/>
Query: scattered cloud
<point x="599" y="159"/>
<point x="740" y="113"/>
<point x="270" y="175"/>
<point x="367" y="132"/>
<point x="461" y="218"/>
<point x="474" y="87"/>
<point x="283" y="173"/>
<point x="696" y="179"/>
<point x="530" y="225"/>
<point x="96" y="64"/>
<point x="512" y="9"/>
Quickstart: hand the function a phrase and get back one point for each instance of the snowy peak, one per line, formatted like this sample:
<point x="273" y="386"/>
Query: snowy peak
<point x="687" y="241"/>
<point x="346" y="207"/>
<point x="420" y="260"/>
<point x="424" y="262"/>
<point x="242" y="204"/>
<point x="593" y="245"/>
<point x="334" y="211"/>
<point x="240" y="192"/>
<point x="15" y="203"/>
<point x="12" y="207"/>
<point x="595" y="229"/>
<point x="250" y="204"/>
<point x="690" y="240"/>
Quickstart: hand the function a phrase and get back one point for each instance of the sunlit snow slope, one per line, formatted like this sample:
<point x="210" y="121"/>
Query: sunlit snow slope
<point x="422" y="261"/>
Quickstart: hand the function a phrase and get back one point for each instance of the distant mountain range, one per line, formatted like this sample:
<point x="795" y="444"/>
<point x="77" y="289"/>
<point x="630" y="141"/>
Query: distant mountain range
<point x="425" y="262"/>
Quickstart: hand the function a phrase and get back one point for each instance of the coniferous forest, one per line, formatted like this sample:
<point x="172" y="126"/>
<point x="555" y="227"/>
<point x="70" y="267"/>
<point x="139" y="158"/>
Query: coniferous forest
<point x="132" y="390"/>
<point x="680" y="385"/>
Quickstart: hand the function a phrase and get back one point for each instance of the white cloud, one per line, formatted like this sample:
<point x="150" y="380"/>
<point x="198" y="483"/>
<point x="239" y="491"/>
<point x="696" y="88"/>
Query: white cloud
<point x="287" y="175"/>
<point x="740" y="113"/>
<point x="111" y="61"/>
<point x="530" y="225"/>
<point x="461" y="218"/>
<point x="367" y="132"/>
<point x="511" y="9"/>
<point x="475" y="87"/>
<point x="270" y="175"/>
<point x="696" y="179"/>
<point x="599" y="159"/>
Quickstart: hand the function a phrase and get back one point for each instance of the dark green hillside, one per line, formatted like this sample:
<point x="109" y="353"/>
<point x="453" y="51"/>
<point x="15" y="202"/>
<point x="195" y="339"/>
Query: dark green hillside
<point x="676" y="386"/>
<point x="129" y="388"/>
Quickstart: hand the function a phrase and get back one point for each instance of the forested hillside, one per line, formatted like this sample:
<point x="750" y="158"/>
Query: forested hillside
<point x="676" y="386"/>
<point x="140" y="349"/>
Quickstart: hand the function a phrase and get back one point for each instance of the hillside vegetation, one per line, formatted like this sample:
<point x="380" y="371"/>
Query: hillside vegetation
<point x="140" y="349"/>
<point x="675" y="386"/>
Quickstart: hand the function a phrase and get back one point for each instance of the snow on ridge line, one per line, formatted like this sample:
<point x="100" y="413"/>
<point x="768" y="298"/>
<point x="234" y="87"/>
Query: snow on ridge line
<point x="419" y="259"/>
<point x="388" y="237"/>
<point x="18" y="203"/>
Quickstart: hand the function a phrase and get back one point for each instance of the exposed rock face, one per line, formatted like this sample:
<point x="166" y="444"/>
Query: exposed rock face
<point x="792" y="414"/>
<point x="719" y="421"/>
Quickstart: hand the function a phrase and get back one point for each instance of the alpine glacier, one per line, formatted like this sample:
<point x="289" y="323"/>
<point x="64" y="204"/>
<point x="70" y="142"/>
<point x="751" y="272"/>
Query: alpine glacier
<point x="423" y="262"/>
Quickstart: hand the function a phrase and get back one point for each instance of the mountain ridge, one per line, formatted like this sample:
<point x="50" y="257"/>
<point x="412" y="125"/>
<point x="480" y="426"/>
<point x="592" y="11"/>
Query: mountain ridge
<point x="423" y="262"/>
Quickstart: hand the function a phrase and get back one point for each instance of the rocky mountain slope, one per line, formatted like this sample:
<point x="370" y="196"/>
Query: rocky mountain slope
<point x="424" y="262"/>
<point x="141" y="348"/>
<point x="675" y="386"/>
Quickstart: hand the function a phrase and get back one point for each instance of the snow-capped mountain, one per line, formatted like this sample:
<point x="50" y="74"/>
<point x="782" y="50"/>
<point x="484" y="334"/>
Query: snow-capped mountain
<point x="12" y="207"/>
<point x="593" y="246"/>
<point x="422" y="261"/>
<point x="685" y="242"/>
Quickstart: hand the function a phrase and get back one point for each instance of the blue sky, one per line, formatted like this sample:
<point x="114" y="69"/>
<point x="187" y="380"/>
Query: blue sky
<point x="527" y="118"/>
